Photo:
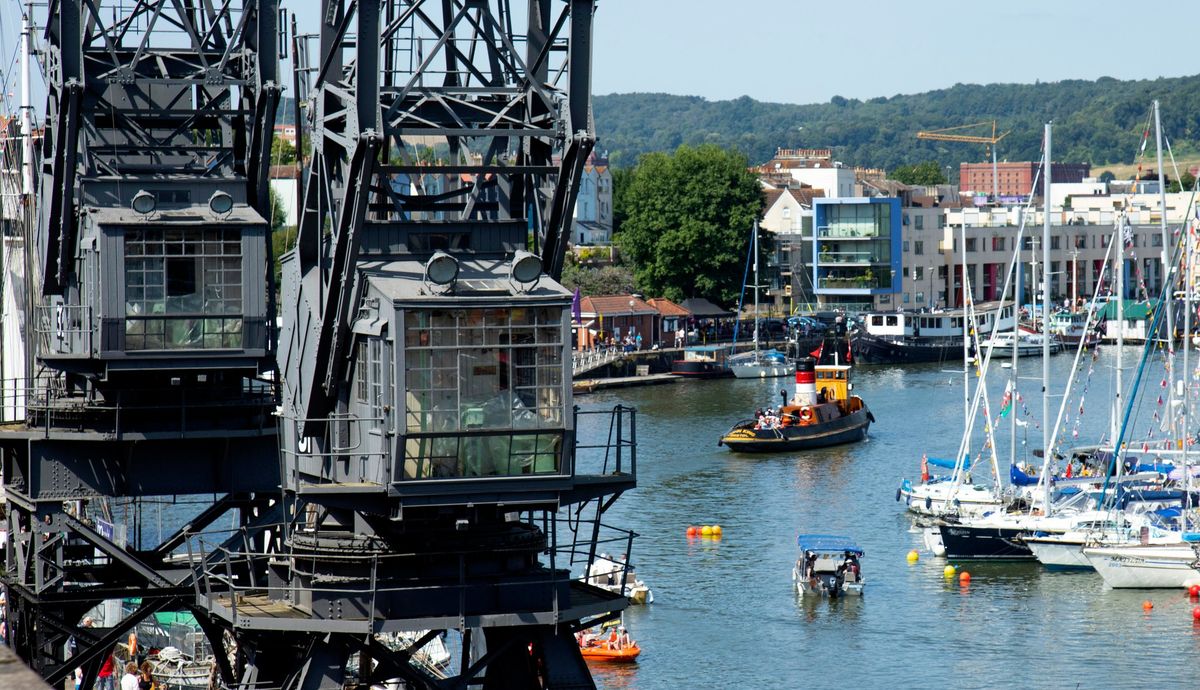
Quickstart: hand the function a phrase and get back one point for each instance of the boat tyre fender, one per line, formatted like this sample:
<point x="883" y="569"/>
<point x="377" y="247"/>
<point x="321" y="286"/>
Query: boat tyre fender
<point x="897" y="494"/>
<point x="928" y="502"/>
<point x="870" y="416"/>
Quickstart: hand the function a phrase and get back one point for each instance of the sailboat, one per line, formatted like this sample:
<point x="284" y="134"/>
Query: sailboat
<point x="759" y="363"/>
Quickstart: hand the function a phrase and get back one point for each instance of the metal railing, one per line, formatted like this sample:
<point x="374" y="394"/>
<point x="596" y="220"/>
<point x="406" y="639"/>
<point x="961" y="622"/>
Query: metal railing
<point x="583" y="362"/>
<point x="616" y="451"/>
<point x="228" y="573"/>
<point x="47" y="404"/>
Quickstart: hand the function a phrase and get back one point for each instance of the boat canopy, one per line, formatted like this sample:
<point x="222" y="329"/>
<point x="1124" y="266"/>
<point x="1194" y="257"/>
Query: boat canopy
<point x="827" y="543"/>
<point x="1019" y="478"/>
<point x="949" y="463"/>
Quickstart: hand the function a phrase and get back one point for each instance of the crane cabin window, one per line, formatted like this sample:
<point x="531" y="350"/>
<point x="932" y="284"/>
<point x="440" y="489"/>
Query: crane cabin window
<point x="484" y="392"/>
<point x="183" y="288"/>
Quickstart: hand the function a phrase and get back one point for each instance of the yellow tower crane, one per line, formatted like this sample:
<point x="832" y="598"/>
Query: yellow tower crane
<point x="953" y="134"/>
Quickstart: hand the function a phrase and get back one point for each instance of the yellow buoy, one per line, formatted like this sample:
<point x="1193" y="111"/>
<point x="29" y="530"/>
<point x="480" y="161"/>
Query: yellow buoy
<point x="913" y="556"/>
<point x="716" y="530"/>
<point x="706" y="530"/>
<point x="949" y="571"/>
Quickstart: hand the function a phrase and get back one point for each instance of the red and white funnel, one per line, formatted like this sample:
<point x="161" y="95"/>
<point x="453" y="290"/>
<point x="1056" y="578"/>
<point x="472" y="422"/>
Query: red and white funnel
<point x="806" y="381"/>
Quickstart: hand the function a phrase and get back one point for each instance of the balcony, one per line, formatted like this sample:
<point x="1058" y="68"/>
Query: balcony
<point x="849" y="258"/>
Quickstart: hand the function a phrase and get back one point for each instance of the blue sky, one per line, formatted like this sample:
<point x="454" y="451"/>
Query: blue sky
<point x="798" y="51"/>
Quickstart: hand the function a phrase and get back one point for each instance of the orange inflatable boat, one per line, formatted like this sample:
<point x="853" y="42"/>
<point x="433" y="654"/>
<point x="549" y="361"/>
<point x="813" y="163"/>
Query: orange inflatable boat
<point x="602" y="653"/>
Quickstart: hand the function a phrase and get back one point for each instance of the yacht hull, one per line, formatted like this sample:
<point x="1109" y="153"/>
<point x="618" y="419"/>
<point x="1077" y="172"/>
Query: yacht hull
<point x="1145" y="567"/>
<point x="984" y="543"/>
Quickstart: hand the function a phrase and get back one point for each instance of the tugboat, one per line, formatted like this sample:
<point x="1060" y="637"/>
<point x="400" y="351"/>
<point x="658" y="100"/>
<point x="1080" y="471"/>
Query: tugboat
<point x="812" y="419"/>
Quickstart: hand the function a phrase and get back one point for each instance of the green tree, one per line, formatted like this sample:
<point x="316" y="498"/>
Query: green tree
<point x="621" y="177"/>
<point x="282" y="152"/>
<point x="1185" y="184"/>
<point x="927" y="173"/>
<point x="605" y="280"/>
<point x="283" y="236"/>
<point x="686" y="222"/>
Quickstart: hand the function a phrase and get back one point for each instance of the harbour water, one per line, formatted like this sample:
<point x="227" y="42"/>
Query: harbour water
<point x="725" y="614"/>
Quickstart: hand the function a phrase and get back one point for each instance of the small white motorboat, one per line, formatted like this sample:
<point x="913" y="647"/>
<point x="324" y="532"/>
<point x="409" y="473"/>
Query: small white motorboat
<point x="828" y="565"/>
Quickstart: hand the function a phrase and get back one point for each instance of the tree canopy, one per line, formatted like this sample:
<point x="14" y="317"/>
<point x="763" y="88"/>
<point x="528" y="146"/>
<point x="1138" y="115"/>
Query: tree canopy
<point x="927" y="173"/>
<point x="1096" y="122"/>
<point x="605" y="280"/>
<point x="687" y="220"/>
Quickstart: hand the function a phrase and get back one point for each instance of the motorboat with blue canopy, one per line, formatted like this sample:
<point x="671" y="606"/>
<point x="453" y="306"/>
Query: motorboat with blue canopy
<point x="827" y="542"/>
<point x="828" y="565"/>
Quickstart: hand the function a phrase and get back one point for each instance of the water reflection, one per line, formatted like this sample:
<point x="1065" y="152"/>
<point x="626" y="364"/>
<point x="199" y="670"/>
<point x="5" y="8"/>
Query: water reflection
<point x="726" y="613"/>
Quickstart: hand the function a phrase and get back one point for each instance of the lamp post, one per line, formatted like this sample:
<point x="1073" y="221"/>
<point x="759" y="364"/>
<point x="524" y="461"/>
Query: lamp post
<point x="629" y="326"/>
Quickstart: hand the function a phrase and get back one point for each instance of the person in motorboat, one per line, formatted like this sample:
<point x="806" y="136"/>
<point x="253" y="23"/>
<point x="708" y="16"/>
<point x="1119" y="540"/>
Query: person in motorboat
<point x="851" y="567"/>
<point x="623" y="639"/>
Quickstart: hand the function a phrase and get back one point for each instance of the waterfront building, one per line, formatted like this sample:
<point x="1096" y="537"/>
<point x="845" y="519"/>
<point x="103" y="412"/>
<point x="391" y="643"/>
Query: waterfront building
<point x="672" y="318"/>
<point x="592" y="223"/>
<point x="1015" y="179"/>
<point x="857" y="252"/>
<point x="613" y="317"/>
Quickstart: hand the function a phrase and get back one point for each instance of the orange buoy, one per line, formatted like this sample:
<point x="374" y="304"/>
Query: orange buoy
<point x="1194" y="591"/>
<point x="1196" y="613"/>
<point x="691" y="531"/>
<point x="1147" y="605"/>
<point x="964" y="578"/>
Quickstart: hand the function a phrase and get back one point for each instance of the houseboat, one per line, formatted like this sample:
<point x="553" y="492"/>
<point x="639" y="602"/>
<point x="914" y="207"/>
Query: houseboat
<point x="703" y="362"/>
<point x="904" y="337"/>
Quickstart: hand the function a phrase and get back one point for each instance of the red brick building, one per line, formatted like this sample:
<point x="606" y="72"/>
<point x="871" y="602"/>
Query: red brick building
<point x="1016" y="179"/>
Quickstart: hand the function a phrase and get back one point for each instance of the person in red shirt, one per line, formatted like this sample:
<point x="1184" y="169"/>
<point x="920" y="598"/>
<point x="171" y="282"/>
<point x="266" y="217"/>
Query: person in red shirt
<point x="104" y="679"/>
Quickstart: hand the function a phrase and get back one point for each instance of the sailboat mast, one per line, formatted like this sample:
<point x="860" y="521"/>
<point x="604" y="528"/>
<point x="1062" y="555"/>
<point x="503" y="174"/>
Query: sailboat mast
<point x="966" y="340"/>
<point x="1016" y="352"/>
<point x="1046" y="301"/>
<point x="1188" y="230"/>
<point x="1119" y="275"/>
<point x="1166" y="268"/>
<point x="754" y="240"/>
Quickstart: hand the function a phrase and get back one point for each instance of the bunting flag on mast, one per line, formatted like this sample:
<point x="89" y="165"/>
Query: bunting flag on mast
<point x="816" y="354"/>
<point x="1006" y="402"/>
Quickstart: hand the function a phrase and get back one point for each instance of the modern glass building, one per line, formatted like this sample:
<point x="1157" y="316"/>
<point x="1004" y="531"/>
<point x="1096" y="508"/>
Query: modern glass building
<point x="856" y="251"/>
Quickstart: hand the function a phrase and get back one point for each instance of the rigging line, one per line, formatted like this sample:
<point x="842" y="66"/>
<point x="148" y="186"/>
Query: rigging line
<point x="1148" y="348"/>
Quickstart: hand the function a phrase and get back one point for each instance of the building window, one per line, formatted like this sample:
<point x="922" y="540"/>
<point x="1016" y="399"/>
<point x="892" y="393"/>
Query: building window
<point x="941" y="222"/>
<point x="1054" y="242"/>
<point x="904" y="271"/>
<point x="918" y="247"/>
<point x="484" y="392"/>
<point x="906" y="298"/>
<point x="970" y="244"/>
<point x="787" y="212"/>
<point x="183" y="290"/>
<point x="919" y="273"/>
<point x="906" y="245"/>
<point x="998" y="244"/>
<point x="1104" y="240"/>
<point x="919" y="222"/>
<point x="1026" y="243"/>
<point x="1156" y="240"/>
<point x="1081" y="241"/>
<point x="920" y="298"/>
